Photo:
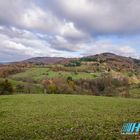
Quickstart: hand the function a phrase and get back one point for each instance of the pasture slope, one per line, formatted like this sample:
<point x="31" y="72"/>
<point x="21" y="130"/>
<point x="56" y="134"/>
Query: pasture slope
<point x="65" y="117"/>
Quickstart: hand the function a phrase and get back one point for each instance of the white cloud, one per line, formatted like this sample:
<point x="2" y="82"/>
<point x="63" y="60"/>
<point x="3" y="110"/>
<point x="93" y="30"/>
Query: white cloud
<point x="19" y="47"/>
<point x="36" y="18"/>
<point x="23" y="44"/>
<point x="101" y="46"/>
<point x="69" y="31"/>
<point x="67" y="28"/>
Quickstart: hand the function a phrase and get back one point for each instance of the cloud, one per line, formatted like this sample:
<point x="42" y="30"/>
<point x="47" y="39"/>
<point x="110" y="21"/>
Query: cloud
<point x="17" y="44"/>
<point x="81" y="16"/>
<point x="106" y="45"/>
<point x="100" y="16"/>
<point x="11" y="11"/>
<point x="30" y="28"/>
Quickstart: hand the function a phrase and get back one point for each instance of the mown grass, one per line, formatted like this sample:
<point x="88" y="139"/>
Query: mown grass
<point x="65" y="117"/>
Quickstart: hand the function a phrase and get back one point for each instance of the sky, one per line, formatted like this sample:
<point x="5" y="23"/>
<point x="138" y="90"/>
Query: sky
<point x="68" y="28"/>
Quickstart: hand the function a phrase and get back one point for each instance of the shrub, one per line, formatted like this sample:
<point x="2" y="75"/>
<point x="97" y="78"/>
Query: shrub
<point x="138" y="85"/>
<point x="20" y="88"/>
<point x="6" y="87"/>
<point x="69" y="78"/>
<point x="59" y="86"/>
<point x="73" y="64"/>
<point x="5" y="71"/>
<point x="106" y="85"/>
<point x="52" y="89"/>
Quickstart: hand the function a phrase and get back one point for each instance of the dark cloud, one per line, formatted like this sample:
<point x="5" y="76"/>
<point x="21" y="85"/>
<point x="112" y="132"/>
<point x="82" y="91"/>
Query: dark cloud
<point x="100" y="16"/>
<point x="89" y="16"/>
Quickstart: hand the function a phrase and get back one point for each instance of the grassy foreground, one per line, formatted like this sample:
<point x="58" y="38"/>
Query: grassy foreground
<point x="56" y="117"/>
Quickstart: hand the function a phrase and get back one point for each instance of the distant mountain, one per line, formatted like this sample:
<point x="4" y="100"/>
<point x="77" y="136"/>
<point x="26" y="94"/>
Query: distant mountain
<point x="107" y="57"/>
<point x="4" y="63"/>
<point x="49" y="60"/>
<point x="112" y="61"/>
<point x="116" y="61"/>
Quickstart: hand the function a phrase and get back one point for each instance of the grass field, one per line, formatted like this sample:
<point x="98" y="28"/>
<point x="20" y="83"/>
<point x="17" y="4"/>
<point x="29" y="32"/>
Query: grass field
<point x="57" y="117"/>
<point x="42" y="73"/>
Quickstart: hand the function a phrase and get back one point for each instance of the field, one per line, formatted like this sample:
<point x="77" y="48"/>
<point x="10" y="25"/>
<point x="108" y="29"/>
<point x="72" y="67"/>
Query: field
<point x="42" y="73"/>
<point x="34" y="76"/>
<point x="47" y="104"/>
<point x="67" y="117"/>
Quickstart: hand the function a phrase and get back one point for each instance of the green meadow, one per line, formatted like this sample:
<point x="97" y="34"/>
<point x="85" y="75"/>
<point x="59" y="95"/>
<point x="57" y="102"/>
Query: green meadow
<point x="42" y="73"/>
<point x="65" y="117"/>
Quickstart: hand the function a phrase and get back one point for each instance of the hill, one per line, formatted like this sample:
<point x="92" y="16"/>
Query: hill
<point x="112" y="60"/>
<point x="48" y="60"/>
<point x="104" y="74"/>
<point x="117" y="62"/>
